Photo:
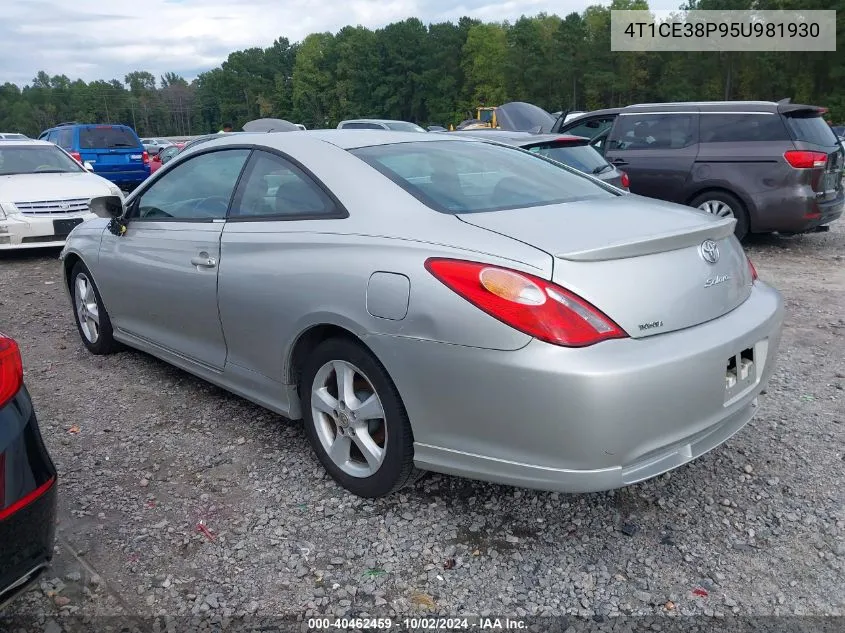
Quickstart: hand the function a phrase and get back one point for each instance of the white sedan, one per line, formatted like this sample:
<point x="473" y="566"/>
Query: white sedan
<point x="44" y="194"/>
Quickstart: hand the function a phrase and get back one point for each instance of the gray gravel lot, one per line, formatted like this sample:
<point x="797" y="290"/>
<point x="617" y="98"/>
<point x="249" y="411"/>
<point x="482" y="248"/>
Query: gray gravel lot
<point x="178" y="498"/>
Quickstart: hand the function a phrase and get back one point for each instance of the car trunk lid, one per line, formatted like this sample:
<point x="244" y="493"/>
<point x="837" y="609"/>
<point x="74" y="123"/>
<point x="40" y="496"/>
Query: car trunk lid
<point x="642" y="262"/>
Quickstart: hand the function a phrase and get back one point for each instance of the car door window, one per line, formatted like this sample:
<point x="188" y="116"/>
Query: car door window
<point x="198" y="189"/>
<point x="274" y="187"/>
<point x="659" y="130"/>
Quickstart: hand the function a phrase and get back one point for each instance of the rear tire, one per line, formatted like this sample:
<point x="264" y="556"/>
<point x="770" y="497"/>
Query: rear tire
<point x="92" y="320"/>
<point x="355" y="420"/>
<point x="725" y="205"/>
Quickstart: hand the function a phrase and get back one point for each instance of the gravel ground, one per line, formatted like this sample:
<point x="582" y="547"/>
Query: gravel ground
<point x="178" y="498"/>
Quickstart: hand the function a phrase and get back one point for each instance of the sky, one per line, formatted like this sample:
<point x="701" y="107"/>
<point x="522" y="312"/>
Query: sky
<point x="95" y="39"/>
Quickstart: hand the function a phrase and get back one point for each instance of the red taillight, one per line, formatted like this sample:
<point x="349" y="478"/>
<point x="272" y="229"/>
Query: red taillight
<point x="626" y="182"/>
<point x="527" y="303"/>
<point x="11" y="369"/>
<point x="752" y="269"/>
<point x="801" y="159"/>
<point x="146" y="157"/>
<point x="27" y="499"/>
<point x="76" y="156"/>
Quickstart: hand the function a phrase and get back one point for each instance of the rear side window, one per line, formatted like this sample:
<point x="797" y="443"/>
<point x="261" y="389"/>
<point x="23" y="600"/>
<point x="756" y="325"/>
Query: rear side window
<point x="811" y="129"/>
<point x="658" y="130"/>
<point x="723" y="127"/>
<point x="106" y="137"/>
<point x="582" y="157"/>
<point x="591" y="128"/>
<point x="65" y="139"/>
<point x="470" y="177"/>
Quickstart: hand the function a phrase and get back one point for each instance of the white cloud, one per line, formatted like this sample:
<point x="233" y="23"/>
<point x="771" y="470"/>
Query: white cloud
<point x="92" y="39"/>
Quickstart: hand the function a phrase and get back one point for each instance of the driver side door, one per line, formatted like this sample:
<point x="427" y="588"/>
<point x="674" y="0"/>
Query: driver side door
<point x="159" y="279"/>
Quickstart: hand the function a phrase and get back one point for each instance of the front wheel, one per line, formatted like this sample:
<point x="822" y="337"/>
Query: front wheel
<point x="90" y="315"/>
<point x="355" y="420"/>
<point x="724" y="205"/>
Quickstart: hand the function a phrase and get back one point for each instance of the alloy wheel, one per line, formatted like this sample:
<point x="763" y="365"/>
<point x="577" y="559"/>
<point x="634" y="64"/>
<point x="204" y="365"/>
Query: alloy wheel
<point x="87" y="311"/>
<point x="349" y="418"/>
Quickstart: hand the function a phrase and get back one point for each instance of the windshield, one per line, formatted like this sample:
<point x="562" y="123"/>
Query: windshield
<point x="470" y="177"/>
<point x="403" y="126"/>
<point x="812" y="129"/>
<point x="40" y="159"/>
<point x="582" y="157"/>
<point x="518" y="116"/>
<point x="106" y="137"/>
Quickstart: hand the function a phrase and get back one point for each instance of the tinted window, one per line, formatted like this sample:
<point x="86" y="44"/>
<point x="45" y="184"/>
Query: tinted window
<point x="717" y="127"/>
<point x="652" y="131"/>
<point x="64" y="138"/>
<point x="45" y="159"/>
<point x="106" y="137"/>
<point x="582" y="157"/>
<point x="362" y="126"/>
<point x="591" y="128"/>
<point x="198" y="189"/>
<point x="458" y="177"/>
<point x="811" y="129"/>
<point x="274" y="187"/>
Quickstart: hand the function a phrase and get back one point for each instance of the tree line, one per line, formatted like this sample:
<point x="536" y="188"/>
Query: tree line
<point x="435" y="74"/>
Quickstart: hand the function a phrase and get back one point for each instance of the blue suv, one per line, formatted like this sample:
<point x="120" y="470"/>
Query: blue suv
<point x="114" y="151"/>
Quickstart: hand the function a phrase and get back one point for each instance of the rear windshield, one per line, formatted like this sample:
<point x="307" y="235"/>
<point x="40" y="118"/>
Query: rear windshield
<point x="811" y="129"/>
<point x="471" y="177"/>
<point x="106" y="138"/>
<point x="38" y="159"/>
<point x="362" y="126"/>
<point x="582" y="157"/>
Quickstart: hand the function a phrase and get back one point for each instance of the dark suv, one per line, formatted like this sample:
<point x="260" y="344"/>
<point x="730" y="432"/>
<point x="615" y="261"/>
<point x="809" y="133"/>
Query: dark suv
<point x="772" y="166"/>
<point x="114" y="151"/>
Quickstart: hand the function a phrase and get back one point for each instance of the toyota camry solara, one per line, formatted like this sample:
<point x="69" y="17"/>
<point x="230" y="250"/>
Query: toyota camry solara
<point x="426" y="302"/>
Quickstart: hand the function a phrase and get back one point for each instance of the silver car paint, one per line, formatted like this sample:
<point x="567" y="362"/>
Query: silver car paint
<point x="484" y="400"/>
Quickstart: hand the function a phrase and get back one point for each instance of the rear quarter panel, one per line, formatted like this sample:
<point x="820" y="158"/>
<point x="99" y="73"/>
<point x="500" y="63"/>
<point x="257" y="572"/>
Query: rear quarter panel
<point x="755" y="172"/>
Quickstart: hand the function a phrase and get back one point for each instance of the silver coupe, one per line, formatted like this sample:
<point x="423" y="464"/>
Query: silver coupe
<point x="426" y="302"/>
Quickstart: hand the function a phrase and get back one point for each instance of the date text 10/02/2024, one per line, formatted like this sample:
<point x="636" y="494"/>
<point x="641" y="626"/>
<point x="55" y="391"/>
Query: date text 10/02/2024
<point x="417" y="624"/>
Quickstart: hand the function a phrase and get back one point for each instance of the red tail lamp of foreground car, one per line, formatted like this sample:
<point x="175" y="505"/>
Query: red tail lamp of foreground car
<point x="751" y="268"/>
<point x="11" y="369"/>
<point x="802" y="159"/>
<point x="527" y="303"/>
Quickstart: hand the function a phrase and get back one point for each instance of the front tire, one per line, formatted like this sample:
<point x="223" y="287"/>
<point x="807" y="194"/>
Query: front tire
<point x="92" y="320"/>
<point x="355" y="420"/>
<point x="724" y="205"/>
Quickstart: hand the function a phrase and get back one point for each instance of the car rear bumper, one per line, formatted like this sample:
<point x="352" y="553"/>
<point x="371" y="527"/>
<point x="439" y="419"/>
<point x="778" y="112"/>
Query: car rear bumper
<point x="30" y="231"/>
<point x="133" y="177"/>
<point x="582" y="420"/>
<point x="27" y="498"/>
<point x="797" y="213"/>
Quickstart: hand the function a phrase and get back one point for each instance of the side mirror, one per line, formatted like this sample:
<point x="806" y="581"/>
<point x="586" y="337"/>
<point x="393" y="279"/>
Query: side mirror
<point x="107" y="206"/>
<point x="88" y="166"/>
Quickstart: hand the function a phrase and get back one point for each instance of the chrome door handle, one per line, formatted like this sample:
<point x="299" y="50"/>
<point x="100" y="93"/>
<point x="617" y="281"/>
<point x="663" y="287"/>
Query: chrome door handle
<point x="204" y="262"/>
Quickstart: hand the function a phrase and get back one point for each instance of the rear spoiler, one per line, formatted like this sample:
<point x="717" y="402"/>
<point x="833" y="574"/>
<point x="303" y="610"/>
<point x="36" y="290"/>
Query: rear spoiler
<point x="787" y="108"/>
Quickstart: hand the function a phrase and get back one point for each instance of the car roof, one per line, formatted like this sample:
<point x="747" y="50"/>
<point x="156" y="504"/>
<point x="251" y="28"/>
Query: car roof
<point x="344" y="139"/>
<point x="25" y="142"/>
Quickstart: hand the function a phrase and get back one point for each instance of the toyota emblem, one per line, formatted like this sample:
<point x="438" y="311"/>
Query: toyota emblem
<point x="709" y="251"/>
<point x="64" y="206"/>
